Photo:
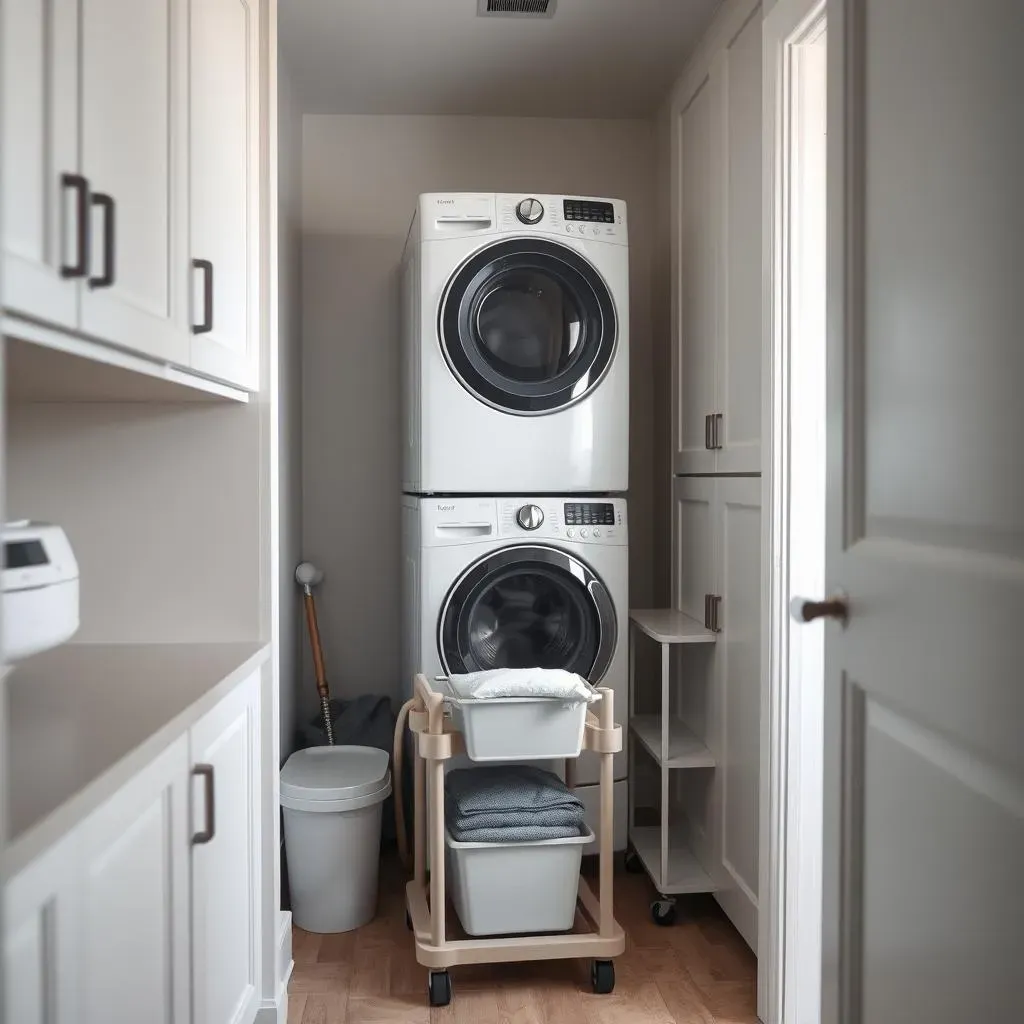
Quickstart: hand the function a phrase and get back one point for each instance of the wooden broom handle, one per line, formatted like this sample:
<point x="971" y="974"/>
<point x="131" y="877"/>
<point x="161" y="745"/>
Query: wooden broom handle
<point x="314" y="637"/>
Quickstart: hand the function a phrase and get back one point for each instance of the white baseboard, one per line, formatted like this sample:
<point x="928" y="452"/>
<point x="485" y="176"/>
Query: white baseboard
<point x="276" y="1011"/>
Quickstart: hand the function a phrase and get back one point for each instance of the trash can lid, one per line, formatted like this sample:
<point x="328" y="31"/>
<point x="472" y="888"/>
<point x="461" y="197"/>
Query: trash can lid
<point x="334" y="773"/>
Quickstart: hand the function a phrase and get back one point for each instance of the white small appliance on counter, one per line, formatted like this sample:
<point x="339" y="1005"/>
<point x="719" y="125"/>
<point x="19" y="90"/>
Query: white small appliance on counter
<point x="40" y="588"/>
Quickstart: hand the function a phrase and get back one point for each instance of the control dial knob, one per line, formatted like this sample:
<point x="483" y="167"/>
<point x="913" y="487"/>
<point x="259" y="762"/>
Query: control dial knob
<point x="530" y="517"/>
<point x="530" y="211"/>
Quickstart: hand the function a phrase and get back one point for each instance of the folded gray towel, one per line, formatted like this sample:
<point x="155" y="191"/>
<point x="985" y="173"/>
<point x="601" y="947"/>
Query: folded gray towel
<point x="504" y="788"/>
<point x="552" y="817"/>
<point x="515" y="834"/>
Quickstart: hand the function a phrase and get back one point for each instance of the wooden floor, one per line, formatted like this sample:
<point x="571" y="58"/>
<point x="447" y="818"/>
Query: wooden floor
<point x="699" y="971"/>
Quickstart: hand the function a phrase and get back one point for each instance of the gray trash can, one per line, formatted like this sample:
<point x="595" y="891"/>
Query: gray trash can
<point x="332" y="799"/>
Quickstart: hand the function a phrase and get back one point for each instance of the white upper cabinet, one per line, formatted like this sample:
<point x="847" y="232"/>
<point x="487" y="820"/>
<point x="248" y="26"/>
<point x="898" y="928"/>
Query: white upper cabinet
<point x="717" y="256"/>
<point x="134" y="60"/>
<point x="45" y="201"/>
<point x="130" y="159"/>
<point x="223" y="137"/>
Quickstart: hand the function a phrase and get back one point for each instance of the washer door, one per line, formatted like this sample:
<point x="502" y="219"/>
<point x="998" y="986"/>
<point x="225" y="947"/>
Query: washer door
<point x="528" y="606"/>
<point x="528" y="326"/>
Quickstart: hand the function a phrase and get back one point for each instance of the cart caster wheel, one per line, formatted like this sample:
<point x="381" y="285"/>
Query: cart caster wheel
<point x="439" y="987"/>
<point x="408" y="920"/>
<point x="663" y="912"/>
<point x="633" y="863"/>
<point x="602" y="976"/>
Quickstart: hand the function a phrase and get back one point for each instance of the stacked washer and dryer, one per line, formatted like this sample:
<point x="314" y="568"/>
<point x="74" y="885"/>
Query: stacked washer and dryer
<point x="516" y="437"/>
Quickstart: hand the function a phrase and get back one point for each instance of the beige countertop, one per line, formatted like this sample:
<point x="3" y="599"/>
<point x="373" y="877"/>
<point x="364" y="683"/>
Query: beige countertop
<point x="82" y="719"/>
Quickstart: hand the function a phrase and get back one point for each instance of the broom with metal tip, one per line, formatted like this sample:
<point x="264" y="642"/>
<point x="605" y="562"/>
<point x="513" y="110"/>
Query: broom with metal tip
<point x="308" y="576"/>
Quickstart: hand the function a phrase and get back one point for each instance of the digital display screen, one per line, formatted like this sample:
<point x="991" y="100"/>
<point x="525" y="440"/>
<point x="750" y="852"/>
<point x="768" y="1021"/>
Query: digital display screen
<point x="22" y="554"/>
<point x="583" y="209"/>
<point x="589" y="513"/>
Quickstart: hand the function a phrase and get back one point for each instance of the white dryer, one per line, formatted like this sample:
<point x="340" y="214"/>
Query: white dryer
<point x="516" y="345"/>
<point x="521" y="582"/>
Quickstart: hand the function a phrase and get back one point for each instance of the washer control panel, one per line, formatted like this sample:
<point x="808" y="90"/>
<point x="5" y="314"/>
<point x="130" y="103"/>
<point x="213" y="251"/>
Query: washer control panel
<point x="595" y="522"/>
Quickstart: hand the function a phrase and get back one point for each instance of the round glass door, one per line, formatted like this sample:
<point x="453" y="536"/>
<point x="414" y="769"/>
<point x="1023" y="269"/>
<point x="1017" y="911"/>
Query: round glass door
<point x="528" y="326"/>
<point x="528" y="607"/>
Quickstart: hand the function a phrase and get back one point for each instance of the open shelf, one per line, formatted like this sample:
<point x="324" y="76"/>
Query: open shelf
<point x="668" y="626"/>
<point x="685" y="875"/>
<point x="684" y="749"/>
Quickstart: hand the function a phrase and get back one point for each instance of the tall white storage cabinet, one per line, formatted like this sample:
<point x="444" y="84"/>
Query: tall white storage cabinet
<point x="716" y="455"/>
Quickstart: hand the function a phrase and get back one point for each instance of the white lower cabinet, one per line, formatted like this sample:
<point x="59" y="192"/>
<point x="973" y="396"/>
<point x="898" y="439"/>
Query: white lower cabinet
<point x="134" y="899"/>
<point x="717" y="555"/>
<point x="41" y="945"/>
<point x="149" y="909"/>
<point x="225" y="867"/>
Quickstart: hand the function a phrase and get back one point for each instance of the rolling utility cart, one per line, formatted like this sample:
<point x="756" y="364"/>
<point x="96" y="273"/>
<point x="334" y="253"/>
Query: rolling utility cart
<point x="439" y="736"/>
<point x="661" y="850"/>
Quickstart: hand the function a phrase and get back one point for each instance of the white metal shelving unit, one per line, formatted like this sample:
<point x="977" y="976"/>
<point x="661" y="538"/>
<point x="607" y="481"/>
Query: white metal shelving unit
<point x="662" y="849"/>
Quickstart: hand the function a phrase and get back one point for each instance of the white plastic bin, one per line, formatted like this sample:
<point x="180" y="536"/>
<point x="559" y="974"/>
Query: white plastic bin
<point x="517" y="728"/>
<point x="516" y="888"/>
<point x="332" y="799"/>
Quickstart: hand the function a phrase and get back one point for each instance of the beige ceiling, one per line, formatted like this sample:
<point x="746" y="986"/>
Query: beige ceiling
<point x="594" y="58"/>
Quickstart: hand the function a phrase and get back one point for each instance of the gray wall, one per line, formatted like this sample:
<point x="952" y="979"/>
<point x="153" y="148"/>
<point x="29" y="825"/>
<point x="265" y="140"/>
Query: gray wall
<point x="361" y="176"/>
<point x="289" y="185"/>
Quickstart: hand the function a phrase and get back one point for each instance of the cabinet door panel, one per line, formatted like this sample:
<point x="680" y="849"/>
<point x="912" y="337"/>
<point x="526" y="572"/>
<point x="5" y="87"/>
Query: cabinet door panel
<point x="223" y="221"/>
<point x="738" y="696"/>
<point x="225" y="871"/>
<point x="693" y="293"/>
<point x="39" y="40"/>
<point x="739" y="361"/>
<point x="135" y="905"/>
<point x="693" y="543"/>
<point x="134" y="64"/>
<point x="41" y="940"/>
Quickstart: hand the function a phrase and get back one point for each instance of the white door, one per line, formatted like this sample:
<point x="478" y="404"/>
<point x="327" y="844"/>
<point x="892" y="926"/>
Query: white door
<point x="133" y="107"/>
<point x="41" y="939"/>
<point x="738" y="375"/>
<point x="45" y="201"/>
<point x="222" y="183"/>
<point x="134" y="881"/>
<point x="924" y="704"/>
<point x="693" y="539"/>
<point x="225" y="864"/>
<point x="695" y="249"/>
<point x="736" y="698"/>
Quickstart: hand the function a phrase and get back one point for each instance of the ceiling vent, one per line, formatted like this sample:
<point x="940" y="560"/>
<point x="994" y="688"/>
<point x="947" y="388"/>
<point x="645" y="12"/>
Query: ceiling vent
<point x="517" y="8"/>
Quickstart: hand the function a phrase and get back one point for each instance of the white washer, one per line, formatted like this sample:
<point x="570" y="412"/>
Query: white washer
<point x="516" y="337"/>
<point x="521" y="582"/>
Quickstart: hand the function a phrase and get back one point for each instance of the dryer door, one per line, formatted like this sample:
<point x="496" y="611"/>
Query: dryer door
<point x="528" y="326"/>
<point x="528" y="606"/>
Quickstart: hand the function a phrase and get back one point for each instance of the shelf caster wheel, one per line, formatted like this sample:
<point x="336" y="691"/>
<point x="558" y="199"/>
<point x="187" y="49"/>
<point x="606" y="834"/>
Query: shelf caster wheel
<point x="602" y="976"/>
<point x="663" y="913"/>
<point x="439" y="987"/>
<point x="633" y="864"/>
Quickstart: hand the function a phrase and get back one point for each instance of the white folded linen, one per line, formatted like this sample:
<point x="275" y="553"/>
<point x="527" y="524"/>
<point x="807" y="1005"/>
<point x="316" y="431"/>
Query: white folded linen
<point x="554" y="683"/>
